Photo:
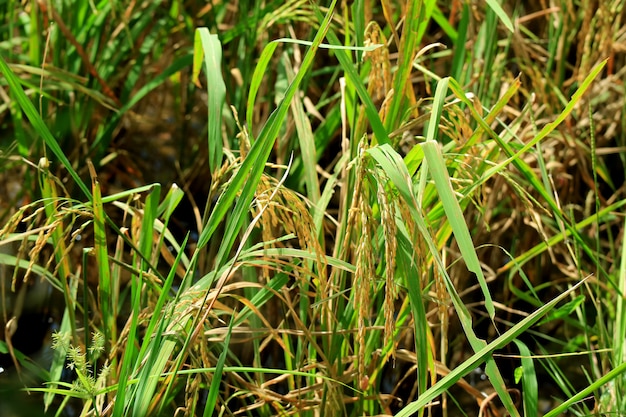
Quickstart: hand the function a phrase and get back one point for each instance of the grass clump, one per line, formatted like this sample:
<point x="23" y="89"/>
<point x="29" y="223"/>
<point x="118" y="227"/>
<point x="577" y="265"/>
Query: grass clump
<point x="313" y="209"/>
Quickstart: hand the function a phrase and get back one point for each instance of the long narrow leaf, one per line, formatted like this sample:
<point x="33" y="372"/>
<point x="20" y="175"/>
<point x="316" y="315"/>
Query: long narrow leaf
<point x="129" y="361"/>
<point x="155" y="358"/>
<point x="39" y="125"/>
<point x="209" y="47"/>
<point x="352" y="75"/>
<point x="504" y="18"/>
<point x="217" y="375"/>
<point x="436" y="164"/>
<point x="596" y="385"/>
<point x="397" y="172"/>
<point x="102" y="259"/>
<point x="477" y="358"/>
<point x="530" y="391"/>
<point x="250" y="171"/>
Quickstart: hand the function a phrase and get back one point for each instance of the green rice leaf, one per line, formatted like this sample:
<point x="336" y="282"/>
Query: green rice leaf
<point x="209" y="47"/>
<point x="38" y="124"/>
<point x="530" y="390"/>
<point x="589" y="391"/>
<point x="214" y="390"/>
<point x="477" y="358"/>
<point x="436" y="164"/>
<point x="504" y="18"/>
<point x="565" y="310"/>
<point x="105" y="292"/>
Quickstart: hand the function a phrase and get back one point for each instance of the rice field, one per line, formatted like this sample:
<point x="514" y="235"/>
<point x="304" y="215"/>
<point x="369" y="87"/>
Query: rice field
<point x="269" y="208"/>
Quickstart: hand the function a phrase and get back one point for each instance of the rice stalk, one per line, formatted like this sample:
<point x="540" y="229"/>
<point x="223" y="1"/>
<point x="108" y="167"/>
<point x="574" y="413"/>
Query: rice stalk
<point x="387" y="203"/>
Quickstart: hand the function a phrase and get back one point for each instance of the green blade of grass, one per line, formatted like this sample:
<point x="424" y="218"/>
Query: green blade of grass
<point x="352" y="75"/>
<point x="105" y="295"/>
<point x="418" y="15"/>
<point x="146" y="234"/>
<point x="306" y="141"/>
<point x="209" y="47"/>
<point x="504" y="18"/>
<point x="530" y="391"/>
<point x="477" y="358"/>
<point x="38" y="124"/>
<point x="453" y="211"/>
<point x="444" y="24"/>
<point x="151" y="350"/>
<point x="406" y="262"/>
<point x="619" y="337"/>
<point x="129" y="360"/>
<point x="437" y="166"/>
<point x="265" y="59"/>
<point x="214" y="390"/>
<point x="257" y="79"/>
<point x="170" y="202"/>
<point x="585" y="393"/>
<point x="439" y="100"/>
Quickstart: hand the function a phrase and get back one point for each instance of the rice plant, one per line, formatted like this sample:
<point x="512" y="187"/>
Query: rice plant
<point x="270" y="208"/>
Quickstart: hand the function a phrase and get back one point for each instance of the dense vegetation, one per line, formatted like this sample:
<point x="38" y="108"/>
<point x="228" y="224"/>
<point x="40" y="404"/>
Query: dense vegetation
<point x="312" y="208"/>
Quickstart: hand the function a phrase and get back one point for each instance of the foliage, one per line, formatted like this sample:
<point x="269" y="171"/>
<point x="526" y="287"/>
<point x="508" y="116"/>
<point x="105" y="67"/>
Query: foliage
<point x="363" y="204"/>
